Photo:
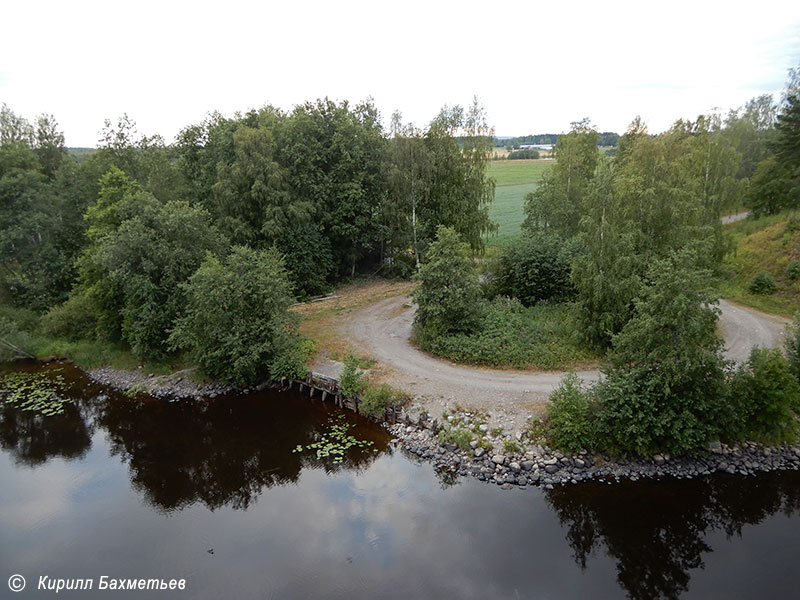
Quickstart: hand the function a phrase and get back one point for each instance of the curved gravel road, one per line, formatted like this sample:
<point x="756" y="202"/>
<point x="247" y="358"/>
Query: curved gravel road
<point x="383" y="330"/>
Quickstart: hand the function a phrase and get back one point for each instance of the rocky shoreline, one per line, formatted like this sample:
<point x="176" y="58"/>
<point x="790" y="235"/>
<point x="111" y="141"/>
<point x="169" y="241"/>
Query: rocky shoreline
<point x="529" y="464"/>
<point x="175" y="385"/>
<point x="541" y="466"/>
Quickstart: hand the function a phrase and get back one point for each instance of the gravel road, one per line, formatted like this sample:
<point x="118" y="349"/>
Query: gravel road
<point x="383" y="330"/>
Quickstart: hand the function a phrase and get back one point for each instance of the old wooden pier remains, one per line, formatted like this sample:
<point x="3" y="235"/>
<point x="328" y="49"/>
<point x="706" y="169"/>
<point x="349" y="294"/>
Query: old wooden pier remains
<point x="328" y="387"/>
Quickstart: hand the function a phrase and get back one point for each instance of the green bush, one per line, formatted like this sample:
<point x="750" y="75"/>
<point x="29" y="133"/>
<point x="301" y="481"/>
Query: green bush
<point x="74" y="319"/>
<point x="527" y="154"/>
<point x="537" y="267"/>
<point x="793" y="270"/>
<point x="763" y="284"/>
<point x="309" y="259"/>
<point x="792" y="347"/>
<point x="765" y="397"/>
<point x="351" y="381"/>
<point x="375" y="399"/>
<point x="293" y="364"/>
<point x="571" y="419"/>
<point x="457" y="436"/>
<point x="12" y="335"/>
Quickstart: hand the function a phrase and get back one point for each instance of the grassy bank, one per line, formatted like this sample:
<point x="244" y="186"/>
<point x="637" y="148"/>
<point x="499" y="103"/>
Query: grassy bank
<point x="21" y="328"/>
<point x="765" y="245"/>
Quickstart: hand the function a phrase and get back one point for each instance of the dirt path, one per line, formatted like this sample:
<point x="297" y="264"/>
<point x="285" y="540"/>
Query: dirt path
<point x="382" y="330"/>
<point x="735" y="217"/>
<point x="743" y="328"/>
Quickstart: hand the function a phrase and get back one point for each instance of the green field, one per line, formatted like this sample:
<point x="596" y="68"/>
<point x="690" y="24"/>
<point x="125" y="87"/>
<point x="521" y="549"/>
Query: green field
<point x="514" y="179"/>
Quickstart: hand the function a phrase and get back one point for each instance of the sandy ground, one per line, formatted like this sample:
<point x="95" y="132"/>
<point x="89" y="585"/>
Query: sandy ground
<point x="382" y="330"/>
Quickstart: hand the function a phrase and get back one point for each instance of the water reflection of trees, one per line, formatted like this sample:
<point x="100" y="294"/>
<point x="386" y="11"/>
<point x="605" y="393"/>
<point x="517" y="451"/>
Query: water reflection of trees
<point x="656" y="531"/>
<point x="222" y="452"/>
<point x="33" y="439"/>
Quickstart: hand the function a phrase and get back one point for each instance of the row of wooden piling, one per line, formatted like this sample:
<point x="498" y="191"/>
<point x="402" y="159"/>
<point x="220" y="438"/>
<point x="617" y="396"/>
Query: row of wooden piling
<point x="327" y="387"/>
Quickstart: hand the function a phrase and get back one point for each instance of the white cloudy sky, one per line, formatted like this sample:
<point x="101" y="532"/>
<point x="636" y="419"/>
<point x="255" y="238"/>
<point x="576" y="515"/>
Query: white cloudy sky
<point x="536" y="66"/>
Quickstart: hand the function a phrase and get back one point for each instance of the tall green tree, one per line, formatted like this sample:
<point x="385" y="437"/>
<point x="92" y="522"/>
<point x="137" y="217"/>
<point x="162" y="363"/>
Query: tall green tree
<point x="558" y="202"/>
<point x="459" y="145"/>
<point x="787" y="143"/>
<point x="666" y="387"/>
<point x="252" y="198"/>
<point x="237" y="324"/>
<point x="609" y="276"/>
<point x="448" y="295"/>
<point x="408" y="176"/>
<point x="147" y="258"/>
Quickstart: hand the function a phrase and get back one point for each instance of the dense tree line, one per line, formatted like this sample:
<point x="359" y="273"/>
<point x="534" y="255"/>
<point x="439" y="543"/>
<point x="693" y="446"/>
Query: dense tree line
<point x="123" y="243"/>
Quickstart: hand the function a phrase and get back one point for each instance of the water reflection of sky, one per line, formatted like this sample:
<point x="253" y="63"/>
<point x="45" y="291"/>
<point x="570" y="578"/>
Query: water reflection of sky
<point x="391" y="530"/>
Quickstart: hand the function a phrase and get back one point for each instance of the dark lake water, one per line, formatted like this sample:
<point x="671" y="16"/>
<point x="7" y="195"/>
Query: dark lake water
<point x="132" y="488"/>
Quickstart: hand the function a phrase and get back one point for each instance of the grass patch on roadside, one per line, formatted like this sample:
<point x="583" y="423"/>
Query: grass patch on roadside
<point x="764" y="245"/>
<point x="544" y="336"/>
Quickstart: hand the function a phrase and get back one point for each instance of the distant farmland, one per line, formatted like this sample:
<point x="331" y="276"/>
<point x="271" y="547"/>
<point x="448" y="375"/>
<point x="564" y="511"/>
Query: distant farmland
<point x="514" y="179"/>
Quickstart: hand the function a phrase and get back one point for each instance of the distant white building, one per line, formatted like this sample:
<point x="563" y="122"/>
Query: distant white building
<point x="536" y="146"/>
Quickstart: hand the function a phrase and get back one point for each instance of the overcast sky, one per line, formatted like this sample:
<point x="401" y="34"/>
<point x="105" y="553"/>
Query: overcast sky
<point x="535" y="66"/>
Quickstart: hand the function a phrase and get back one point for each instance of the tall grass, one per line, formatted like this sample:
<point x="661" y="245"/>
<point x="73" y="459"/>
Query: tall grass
<point x="764" y="245"/>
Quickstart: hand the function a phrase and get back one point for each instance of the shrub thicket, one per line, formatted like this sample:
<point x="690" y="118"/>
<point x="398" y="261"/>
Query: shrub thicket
<point x="537" y="267"/>
<point x="375" y="399"/>
<point x="666" y="388"/>
<point x="793" y="270"/>
<point x="763" y="284"/>
<point x="351" y="381"/>
<point x="792" y="346"/>
<point x="571" y="418"/>
<point x="765" y="397"/>
<point x="74" y="319"/>
<point x="237" y="324"/>
<point x="448" y="295"/>
<point x="509" y="335"/>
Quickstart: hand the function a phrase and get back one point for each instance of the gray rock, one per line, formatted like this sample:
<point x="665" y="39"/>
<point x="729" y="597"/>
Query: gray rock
<point x="473" y="444"/>
<point x="527" y="465"/>
<point x="483" y="428"/>
<point x="478" y="452"/>
<point x="498" y="459"/>
<point x="552" y="468"/>
<point x="515" y="467"/>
